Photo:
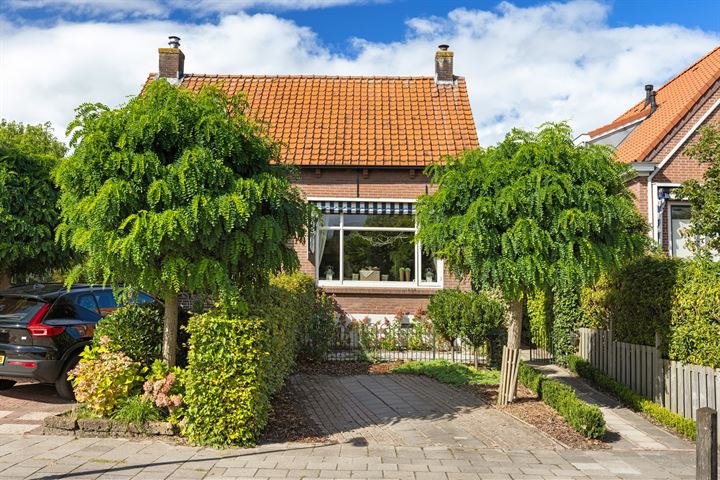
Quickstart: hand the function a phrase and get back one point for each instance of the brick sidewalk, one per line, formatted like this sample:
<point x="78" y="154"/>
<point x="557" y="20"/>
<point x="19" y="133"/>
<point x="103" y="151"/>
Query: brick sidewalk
<point x="51" y="457"/>
<point x="24" y="406"/>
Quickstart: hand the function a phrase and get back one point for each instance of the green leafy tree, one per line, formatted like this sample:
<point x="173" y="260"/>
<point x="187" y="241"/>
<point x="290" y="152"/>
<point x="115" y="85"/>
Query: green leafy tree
<point x="28" y="198"/>
<point x="480" y="319"/>
<point x="177" y="191"/>
<point x="529" y="213"/>
<point x="704" y="231"/>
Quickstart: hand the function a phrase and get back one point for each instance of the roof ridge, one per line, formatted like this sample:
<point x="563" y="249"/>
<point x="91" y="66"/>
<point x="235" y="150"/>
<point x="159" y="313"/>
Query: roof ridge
<point x="356" y="77"/>
<point x="666" y="84"/>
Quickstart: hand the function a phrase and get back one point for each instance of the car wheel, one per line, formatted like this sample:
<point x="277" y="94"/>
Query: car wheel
<point x="62" y="384"/>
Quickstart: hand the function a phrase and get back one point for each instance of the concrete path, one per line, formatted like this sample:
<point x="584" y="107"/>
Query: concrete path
<point x="626" y="429"/>
<point x="409" y="410"/>
<point x="52" y="457"/>
<point x="24" y="406"/>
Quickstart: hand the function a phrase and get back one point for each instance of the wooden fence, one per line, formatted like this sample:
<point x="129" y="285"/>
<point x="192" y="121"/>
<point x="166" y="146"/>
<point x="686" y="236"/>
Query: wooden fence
<point x="679" y="387"/>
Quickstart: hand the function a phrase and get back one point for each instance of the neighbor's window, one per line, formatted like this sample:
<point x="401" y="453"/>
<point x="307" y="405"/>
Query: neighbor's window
<point x="374" y="250"/>
<point x="679" y="222"/>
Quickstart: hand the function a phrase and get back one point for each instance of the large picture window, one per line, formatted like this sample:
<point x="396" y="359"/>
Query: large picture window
<point x="372" y="249"/>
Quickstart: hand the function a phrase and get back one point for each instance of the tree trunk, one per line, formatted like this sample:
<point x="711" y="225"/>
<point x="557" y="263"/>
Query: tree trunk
<point x="515" y="314"/>
<point x="515" y="323"/>
<point x="4" y="281"/>
<point x="170" y="331"/>
<point x="476" y="361"/>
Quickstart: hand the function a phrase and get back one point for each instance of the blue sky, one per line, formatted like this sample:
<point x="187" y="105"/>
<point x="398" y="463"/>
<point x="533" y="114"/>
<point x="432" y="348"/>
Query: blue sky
<point x="525" y="61"/>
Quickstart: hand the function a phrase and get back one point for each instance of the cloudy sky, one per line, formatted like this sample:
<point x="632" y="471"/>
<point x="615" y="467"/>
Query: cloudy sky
<point x="525" y="61"/>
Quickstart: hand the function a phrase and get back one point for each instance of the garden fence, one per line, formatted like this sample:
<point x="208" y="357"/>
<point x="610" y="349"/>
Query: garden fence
<point x="679" y="387"/>
<point x="394" y="340"/>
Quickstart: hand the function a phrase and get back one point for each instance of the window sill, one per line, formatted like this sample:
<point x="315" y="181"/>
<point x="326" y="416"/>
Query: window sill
<point x="380" y="289"/>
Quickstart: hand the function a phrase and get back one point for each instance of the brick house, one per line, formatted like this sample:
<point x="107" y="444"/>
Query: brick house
<point x="360" y="145"/>
<point x="652" y="137"/>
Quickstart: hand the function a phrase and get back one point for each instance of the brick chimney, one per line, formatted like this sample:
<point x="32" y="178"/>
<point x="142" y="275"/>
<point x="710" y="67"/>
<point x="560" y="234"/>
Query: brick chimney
<point x="444" y="65"/>
<point x="172" y="60"/>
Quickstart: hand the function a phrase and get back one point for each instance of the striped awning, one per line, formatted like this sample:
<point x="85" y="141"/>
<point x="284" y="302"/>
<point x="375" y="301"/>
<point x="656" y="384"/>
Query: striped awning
<point x="363" y="208"/>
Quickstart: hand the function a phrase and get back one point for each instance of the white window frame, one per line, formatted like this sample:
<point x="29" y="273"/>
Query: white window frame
<point x="418" y="283"/>
<point x="671" y="233"/>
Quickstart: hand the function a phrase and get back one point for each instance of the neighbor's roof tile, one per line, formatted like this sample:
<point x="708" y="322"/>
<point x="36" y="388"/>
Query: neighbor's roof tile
<point x="356" y="121"/>
<point x="674" y="99"/>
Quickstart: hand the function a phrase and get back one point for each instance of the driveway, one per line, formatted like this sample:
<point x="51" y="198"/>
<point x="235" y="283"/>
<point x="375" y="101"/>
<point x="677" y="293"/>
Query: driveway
<point x="24" y="406"/>
<point x="413" y="411"/>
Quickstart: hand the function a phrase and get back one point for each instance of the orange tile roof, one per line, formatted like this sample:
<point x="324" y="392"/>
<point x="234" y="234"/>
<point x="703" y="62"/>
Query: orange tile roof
<point x="674" y="99"/>
<point x="356" y="121"/>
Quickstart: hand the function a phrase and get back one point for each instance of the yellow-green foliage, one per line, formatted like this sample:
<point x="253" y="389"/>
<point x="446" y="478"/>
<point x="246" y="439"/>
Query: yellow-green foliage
<point x="104" y="377"/>
<point x="540" y="318"/>
<point x="695" y="329"/>
<point x="240" y="354"/>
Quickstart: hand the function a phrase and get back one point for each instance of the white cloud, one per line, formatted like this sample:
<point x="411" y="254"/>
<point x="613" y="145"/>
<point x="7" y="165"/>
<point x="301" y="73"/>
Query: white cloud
<point x="121" y="9"/>
<point x="523" y="66"/>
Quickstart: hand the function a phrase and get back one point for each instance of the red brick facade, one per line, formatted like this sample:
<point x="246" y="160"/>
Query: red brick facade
<point x="348" y="183"/>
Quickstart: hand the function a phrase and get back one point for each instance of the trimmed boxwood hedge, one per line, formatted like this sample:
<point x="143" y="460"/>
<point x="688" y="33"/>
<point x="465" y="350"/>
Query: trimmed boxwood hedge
<point x="682" y="425"/>
<point x="241" y="353"/>
<point x="584" y="418"/>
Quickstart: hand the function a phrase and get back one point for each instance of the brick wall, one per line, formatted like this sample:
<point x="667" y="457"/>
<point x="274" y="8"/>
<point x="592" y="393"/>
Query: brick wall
<point x="371" y="183"/>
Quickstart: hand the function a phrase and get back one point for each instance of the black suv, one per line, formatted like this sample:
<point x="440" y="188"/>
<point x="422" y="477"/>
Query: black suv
<point x="43" y="329"/>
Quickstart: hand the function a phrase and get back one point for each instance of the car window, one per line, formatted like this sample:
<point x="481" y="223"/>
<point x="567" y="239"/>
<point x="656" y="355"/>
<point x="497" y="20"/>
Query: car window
<point x="87" y="301"/>
<point x="106" y="301"/>
<point x="143" y="298"/>
<point x="65" y="308"/>
<point x="18" y="309"/>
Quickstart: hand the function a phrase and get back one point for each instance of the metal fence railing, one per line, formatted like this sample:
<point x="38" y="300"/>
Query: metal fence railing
<point x="393" y="340"/>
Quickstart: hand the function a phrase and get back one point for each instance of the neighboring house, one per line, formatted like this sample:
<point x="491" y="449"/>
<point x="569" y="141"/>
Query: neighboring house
<point x="652" y="137"/>
<point x="360" y="144"/>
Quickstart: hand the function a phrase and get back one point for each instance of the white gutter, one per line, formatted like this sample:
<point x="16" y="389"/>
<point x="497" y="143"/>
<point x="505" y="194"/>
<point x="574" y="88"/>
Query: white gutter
<point x="652" y="199"/>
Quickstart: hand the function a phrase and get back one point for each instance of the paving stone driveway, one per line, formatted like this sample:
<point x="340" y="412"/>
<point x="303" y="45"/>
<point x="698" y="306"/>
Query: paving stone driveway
<point x="24" y="406"/>
<point x="405" y="410"/>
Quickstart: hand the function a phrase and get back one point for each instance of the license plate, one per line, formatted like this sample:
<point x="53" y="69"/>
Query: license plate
<point x="2" y="359"/>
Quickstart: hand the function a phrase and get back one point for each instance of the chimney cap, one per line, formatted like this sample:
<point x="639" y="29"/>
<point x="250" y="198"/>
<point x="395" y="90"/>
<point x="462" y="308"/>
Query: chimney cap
<point x="443" y="47"/>
<point x="174" y="41"/>
<point x="648" y="87"/>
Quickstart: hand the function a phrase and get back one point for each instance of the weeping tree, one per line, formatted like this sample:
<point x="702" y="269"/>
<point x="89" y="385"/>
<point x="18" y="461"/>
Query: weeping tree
<point x="177" y="191"/>
<point x="28" y="198"/>
<point x="530" y="213"/>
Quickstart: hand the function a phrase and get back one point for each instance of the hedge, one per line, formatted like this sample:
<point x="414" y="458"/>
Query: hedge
<point x="240" y="354"/>
<point x="680" y="299"/>
<point x="682" y="425"/>
<point x="584" y="418"/>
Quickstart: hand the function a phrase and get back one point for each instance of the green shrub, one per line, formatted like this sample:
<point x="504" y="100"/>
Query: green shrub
<point x="445" y="309"/>
<point x="637" y="298"/>
<point x="584" y="418"/>
<point x="567" y="316"/>
<point x="137" y="330"/>
<point x="682" y="425"/>
<point x="104" y="377"/>
<point x="539" y="318"/>
<point x="227" y="384"/>
<point x="695" y="335"/>
<point x="451" y="373"/>
<point x="240" y="355"/>
<point x="530" y="377"/>
<point x="482" y="316"/>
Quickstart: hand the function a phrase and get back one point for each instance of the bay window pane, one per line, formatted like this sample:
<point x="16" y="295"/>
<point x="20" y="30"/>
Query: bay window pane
<point x="379" y="256"/>
<point x="428" y="268"/>
<point x="393" y="221"/>
<point x="329" y="254"/>
<point x="331" y="220"/>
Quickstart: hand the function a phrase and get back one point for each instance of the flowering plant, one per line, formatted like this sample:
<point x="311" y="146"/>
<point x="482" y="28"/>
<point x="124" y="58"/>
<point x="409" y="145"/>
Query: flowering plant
<point x="164" y="386"/>
<point x="104" y="377"/>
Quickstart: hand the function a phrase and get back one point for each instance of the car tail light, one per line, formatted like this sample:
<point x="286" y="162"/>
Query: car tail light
<point x="39" y="329"/>
<point x="23" y="364"/>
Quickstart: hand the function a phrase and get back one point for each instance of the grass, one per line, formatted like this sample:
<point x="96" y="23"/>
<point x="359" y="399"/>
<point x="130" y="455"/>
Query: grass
<point x="136" y="410"/>
<point x="451" y="373"/>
